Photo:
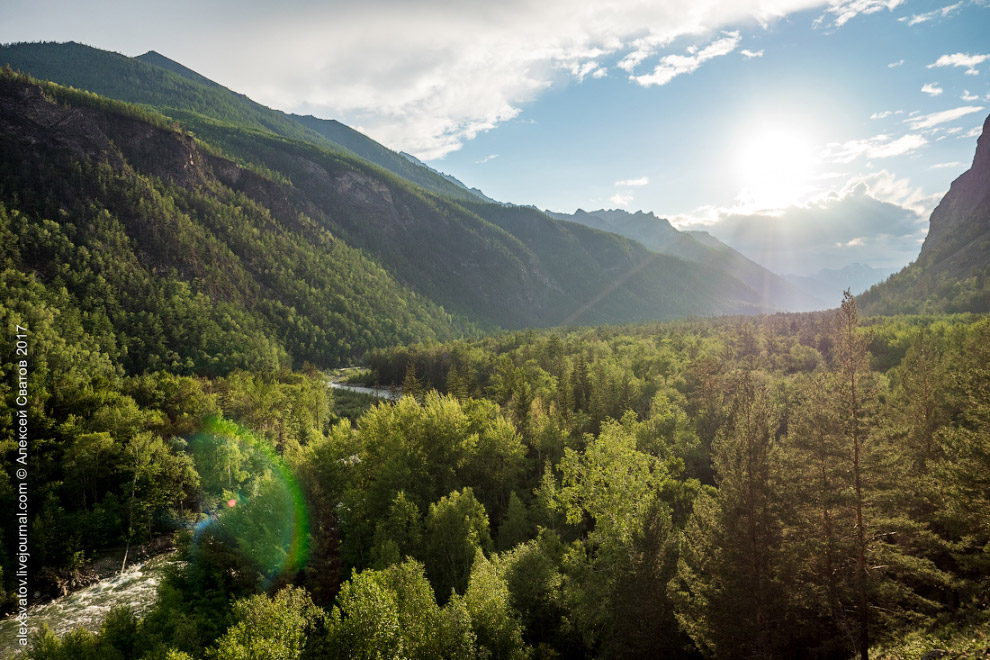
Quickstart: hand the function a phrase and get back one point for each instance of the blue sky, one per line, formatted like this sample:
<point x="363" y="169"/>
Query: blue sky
<point x="837" y="123"/>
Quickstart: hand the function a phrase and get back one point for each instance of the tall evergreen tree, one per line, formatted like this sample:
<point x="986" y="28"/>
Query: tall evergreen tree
<point x="727" y="588"/>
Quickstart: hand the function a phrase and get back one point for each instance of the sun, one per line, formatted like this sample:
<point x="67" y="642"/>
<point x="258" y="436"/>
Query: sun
<point x="775" y="167"/>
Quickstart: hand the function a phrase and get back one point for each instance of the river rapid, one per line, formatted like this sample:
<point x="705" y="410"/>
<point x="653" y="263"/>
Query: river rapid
<point x="388" y="393"/>
<point x="136" y="588"/>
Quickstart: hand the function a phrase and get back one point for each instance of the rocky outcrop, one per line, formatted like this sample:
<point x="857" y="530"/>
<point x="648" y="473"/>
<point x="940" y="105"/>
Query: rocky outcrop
<point x="952" y="273"/>
<point x="28" y="119"/>
<point x="968" y="195"/>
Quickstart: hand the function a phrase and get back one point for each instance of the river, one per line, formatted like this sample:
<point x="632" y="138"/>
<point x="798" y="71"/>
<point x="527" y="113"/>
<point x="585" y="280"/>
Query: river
<point x="389" y="393"/>
<point x="135" y="588"/>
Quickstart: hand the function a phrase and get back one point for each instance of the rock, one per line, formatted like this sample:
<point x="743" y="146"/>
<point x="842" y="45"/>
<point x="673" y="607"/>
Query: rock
<point x="934" y="654"/>
<point x="968" y="194"/>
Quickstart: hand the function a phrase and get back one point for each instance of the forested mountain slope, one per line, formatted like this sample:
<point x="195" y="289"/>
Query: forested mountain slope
<point x="127" y="217"/>
<point x="177" y="91"/>
<point x="659" y="235"/>
<point x="952" y="273"/>
<point x="471" y="259"/>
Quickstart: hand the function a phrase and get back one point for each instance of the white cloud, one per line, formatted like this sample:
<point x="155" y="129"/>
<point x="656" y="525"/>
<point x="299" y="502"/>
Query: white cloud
<point x="876" y="219"/>
<point x="671" y="66"/>
<point x="581" y="70"/>
<point x="969" y="62"/>
<point x="879" y="146"/>
<point x="425" y="77"/>
<point x="421" y="77"/>
<point x="486" y="159"/>
<point x="620" y="199"/>
<point x="946" y="132"/>
<point x="966" y="96"/>
<point x="943" y="117"/>
<point x="947" y="166"/>
<point x="846" y="10"/>
<point x="750" y="54"/>
<point x="932" y="89"/>
<point x="886" y="187"/>
<point x="896" y="64"/>
<point x="633" y="183"/>
<point x="927" y="16"/>
<point x="856" y="242"/>
<point x="885" y="114"/>
<point x="975" y="132"/>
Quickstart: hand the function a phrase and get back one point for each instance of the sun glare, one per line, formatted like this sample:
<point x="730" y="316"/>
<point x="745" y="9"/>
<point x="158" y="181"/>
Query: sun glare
<point x="775" y="167"/>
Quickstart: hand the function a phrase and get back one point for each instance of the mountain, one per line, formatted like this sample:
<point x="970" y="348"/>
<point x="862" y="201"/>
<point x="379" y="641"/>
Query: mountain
<point x="192" y="99"/>
<point x="952" y="273"/>
<point x="454" y="180"/>
<point x="828" y="284"/>
<point x="310" y="253"/>
<point x="399" y="163"/>
<point x="659" y="235"/>
<point x="159" y="60"/>
<point x="118" y="219"/>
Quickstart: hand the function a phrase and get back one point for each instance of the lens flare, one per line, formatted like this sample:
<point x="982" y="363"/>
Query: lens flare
<point x="252" y="499"/>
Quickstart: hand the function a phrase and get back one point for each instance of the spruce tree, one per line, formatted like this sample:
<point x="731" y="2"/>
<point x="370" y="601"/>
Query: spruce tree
<point x="727" y="590"/>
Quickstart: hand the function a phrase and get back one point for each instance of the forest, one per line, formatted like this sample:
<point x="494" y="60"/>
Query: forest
<point x="775" y="486"/>
<point x="781" y="486"/>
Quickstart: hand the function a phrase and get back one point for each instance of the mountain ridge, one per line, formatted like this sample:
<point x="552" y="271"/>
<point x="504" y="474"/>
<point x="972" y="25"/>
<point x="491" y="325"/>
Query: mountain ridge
<point x="155" y="80"/>
<point x="124" y="215"/>
<point x="659" y="235"/>
<point x="485" y="264"/>
<point x="952" y="272"/>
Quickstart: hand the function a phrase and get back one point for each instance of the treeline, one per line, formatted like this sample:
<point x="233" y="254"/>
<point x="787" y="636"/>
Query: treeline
<point x="789" y="486"/>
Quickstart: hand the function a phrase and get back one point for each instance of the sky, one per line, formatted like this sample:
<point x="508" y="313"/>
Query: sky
<point x="805" y="133"/>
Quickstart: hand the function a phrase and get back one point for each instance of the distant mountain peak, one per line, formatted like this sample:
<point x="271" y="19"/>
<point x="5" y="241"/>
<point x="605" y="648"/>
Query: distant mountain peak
<point x="645" y="218"/>
<point x="155" y="58"/>
<point x="660" y="236"/>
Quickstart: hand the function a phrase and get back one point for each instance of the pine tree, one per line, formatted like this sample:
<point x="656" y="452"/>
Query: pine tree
<point x="411" y="385"/>
<point x="727" y="589"/>
<point x="853" y="370"/>
<point x="857" y="560"/>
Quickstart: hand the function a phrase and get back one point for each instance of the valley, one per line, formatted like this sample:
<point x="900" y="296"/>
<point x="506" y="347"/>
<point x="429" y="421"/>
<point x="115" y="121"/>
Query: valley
<point x="587" y="435"/>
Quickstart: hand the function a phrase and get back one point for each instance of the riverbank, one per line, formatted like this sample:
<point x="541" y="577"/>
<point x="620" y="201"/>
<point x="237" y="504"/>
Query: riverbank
<point x="341" y="379"/>
<point x="51" y="584"/>
<point x="136" y="588"/>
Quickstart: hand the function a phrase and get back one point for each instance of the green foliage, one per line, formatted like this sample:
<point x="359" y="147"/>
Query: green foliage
<point x="755" y="487"/>
<point x="730" y="550"/>
<point x="614" y="494"/>
<point x="456" y="530"/>
<point x="493" y="619"/>
<point x="399" y="535"/>
<point x="285" y="627"/>
<point x="516" y="528"/>
<point x="393" y="614"/>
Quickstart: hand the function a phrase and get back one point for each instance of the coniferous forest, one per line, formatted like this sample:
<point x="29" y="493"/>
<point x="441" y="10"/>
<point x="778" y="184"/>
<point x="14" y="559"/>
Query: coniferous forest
<point x="808" y="485"/>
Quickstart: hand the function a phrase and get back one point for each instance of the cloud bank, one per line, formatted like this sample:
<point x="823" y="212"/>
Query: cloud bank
<point x="876" y="218"/>
<point x="425" y="77"/>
